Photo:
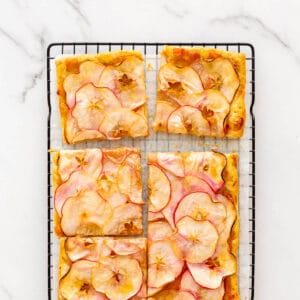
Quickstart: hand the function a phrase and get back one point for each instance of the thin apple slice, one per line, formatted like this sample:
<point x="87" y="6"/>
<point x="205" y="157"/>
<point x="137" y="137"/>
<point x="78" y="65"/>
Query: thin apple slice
<point x="171" y="162"/>
<point x="171" y="294"/>
<point x="92" y="103"/>
<point x="124" y="122"/>
<point x="88" y="72"/>
<point x="188" y="79"/>
<point x="165" y="263"/>
<point x="129" y="182"/>
<point x="199" y="206"/>
<point x="163" y="112"/>
<point x="210" y="274"/>
<point x="71" y="188"/>
<point x="222" y="77"/>
<point x="188" y="119"/>
<point x="76" y="284"/>
<point x="126" y="219"/>
<point x="155" y="216"/>
<point x="189" y="284"/>
<point x="214" y="108"/>
<point x="159" y="230"/>
<point x="117" y="156"/>
<point x="152" y="291"/>
<point x="87" y="248"/>
<point x="159" y="189"/>
<point x="207" y="166"/>
<point x="119" y="277"/>
<point x="85" y="214"/>
<point x="88" y="135"/>
<point x="201" y="237"/>
<point x="124" y="246"/>
<point x="89" y="161"/>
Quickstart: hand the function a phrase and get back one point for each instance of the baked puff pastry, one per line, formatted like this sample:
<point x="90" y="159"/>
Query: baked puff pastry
<point x="201" y="91"/>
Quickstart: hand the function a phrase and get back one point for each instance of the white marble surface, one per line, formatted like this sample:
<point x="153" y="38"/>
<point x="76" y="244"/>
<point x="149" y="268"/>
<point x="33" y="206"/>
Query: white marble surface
<point x="27" y="27"/>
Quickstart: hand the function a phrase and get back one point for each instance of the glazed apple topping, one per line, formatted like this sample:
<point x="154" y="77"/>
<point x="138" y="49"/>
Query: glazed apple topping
<point x="101" y="193"/>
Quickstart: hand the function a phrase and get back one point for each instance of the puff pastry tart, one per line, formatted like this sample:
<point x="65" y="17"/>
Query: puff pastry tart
<point x="102" y="96"/>
<point x="193" y="226"/>
<point x="97" y="192"/>
<point x="201" y="91"/>
<point x="102" y="268"/>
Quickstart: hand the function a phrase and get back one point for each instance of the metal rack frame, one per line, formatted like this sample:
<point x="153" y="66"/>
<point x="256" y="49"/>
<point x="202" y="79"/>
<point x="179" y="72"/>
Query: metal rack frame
<point x="156" y="46"/>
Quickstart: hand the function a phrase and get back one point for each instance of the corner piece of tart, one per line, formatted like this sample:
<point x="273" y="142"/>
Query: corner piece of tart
<point x="100" y="268"/>
<point x="201" y="91"/>
<point x="97" y="192"/>
<point x="193" y="226"/>
<point x="102" y="96"/>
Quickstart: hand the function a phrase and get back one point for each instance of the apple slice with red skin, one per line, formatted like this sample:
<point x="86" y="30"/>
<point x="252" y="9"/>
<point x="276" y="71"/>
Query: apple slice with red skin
<point x="189" y="284"/>
<point x="163" y="111"/>
<point x="169" y="74"/>
<point x="159" y="230"/>
<point x="199" y="206"/>
<point x="165" y="263"/>
<point x="214" y="108"/>
<point x="87" y="248"/>
<point x="124" y="246"/>
<point x="88" y="161"/>
<point x="188" y="119"/>
<point x="172" y="162"/>
<point x="88" y="72"/>
<point x="200" y="239"/>
<point x="118" y="277"/>
<point x="159" y="189"/>
<point x="207" y="166"/>
<point x="76" y="284"/>
<point x="173" y="295"/>
<point x="123" y="122"/>
<point x="85" y="214"/>
<point x="71" y="188"/>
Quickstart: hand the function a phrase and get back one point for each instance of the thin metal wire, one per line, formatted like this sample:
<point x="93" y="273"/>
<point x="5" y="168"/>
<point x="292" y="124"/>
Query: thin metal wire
<point x="61" y="47"/>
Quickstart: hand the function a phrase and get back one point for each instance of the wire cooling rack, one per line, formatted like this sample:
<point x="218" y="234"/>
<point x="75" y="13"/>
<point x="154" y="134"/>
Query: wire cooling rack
<point x="245" y="147"/>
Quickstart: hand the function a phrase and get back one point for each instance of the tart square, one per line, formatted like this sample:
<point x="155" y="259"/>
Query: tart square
<point x="102" y="268"/>
<point x="193" y="225"/>
<point x="97" y="192"/>
<point x="102" y="96"/>
<point x="201" y="91"/>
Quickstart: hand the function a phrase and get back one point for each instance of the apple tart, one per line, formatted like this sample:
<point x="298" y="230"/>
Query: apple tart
<point x="102" y="96"/>
<point x="193" y="226"/>
<point x="201" y="92"/>
<point x="97" y="268"/>
<point x="97" y="192"/>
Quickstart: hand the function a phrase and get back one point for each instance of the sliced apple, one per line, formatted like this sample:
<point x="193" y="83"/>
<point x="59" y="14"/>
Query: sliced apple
<point x="129" y="182"/>
<point x="189" y="284"/>
<point x="125" y="246"/>
<point x="92" y="104"/>
<point x="207" y="166"/>
<point x="85" y="214"/>
<point x="118" y="277"/>
<point x="88" y="248"/>
<point x="174" y="295"/>
<point x="159" y="230"/>
<point x="222" y="77"/>
<point x="155" y="216"/>
<point x="88" y="135"/>
<point x="188" y="79"/>
<point x="124" y="122"/>
<point x="117" y="156"/>
<point x="152" y="291"/>
<point x="188" y="119"/>
<point x="126" y="219"/>
<point x="76" y="284"/>
<point x="199" y="206"/>
<point x="210" y="274"/>
<point x="163" y="112"/>
<point x="192" y="184"/>
<point x="88" y="72"/>
<point x="171" y="162"/>
<point x="214" y="108"/>
<point x="71" y="188"/>
<point x="201" y="238"/>
<point x="165" y="263"/>
<point x="159" y="189"/>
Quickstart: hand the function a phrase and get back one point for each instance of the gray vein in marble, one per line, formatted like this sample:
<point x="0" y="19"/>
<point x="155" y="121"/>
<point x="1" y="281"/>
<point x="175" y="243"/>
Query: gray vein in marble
<point x="17" y="44"/>
<point x="76" y="7"/>
<point x="6" y="292"/>
<point x="33" y="82"/>
<point x="174" y="12"/>
<point x="242" y="20"/>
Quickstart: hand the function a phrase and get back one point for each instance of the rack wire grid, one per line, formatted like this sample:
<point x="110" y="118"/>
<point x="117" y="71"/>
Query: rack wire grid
<point x="245" y="146"/>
